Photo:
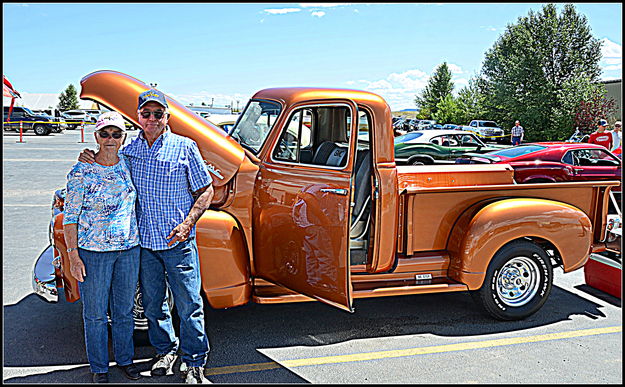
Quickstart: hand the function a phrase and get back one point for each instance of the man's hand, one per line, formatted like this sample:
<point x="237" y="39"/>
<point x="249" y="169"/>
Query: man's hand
<point x="77" y="267"/>
<point x="87" y="156"/>
<point x="180" y="233"/>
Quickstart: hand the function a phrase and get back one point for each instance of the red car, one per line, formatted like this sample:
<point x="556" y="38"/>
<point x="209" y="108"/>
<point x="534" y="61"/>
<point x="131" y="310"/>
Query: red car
<point x="543" y="162"/>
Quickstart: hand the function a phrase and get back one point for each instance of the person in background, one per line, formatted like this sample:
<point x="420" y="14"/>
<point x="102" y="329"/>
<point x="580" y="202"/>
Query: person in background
<point x="516" y="133"/>
<point x="601" y="136"/>
<point x="102" y="239"/>
<point x="174" y="188"/>
<point x="616" y="135"/>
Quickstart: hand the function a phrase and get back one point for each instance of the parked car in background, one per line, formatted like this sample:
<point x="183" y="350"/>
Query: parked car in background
<point x="450" y="127"/>
<point x="223" y="121"/>
<point x="94" y="114"/>
<point x="425" y="124"/>
<point x="41" y="125"/>
<point x="78" y="116"/>
<point x="60" y="125"/>
<point x="437" y="146"/>
<point x="578" y="136"/>
<point x="487" y="130"/>
<point x="543" y="162"/>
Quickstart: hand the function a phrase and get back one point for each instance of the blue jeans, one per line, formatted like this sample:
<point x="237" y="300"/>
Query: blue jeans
<point x="111" y="279"/>
<point x="516" y="140"/>
<point x="180" y="267"/>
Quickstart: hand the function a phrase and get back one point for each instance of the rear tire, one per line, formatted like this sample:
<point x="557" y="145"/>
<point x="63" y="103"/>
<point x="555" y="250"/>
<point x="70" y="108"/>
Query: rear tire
<point x="517" y="282"/>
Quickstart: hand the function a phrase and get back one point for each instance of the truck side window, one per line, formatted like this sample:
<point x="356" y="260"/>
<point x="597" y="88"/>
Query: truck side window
<point x="294" y="144"/>
<point x="316" y="135"/>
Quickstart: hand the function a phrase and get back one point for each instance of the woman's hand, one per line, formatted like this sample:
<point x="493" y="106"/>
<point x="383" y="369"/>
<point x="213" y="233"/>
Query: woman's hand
<point x="76" y="266"/>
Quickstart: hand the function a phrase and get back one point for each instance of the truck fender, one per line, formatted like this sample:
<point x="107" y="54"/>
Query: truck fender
<point x="224" y="260"/>
<point x="485" y="228"/>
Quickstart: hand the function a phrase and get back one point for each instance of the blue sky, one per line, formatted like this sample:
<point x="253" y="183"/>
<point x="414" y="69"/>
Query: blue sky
<point x="227" y="52"/>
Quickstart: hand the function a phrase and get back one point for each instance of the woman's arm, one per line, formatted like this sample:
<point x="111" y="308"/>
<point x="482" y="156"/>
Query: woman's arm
<point x="76" y="265"/>
<point x="73" y="205"/>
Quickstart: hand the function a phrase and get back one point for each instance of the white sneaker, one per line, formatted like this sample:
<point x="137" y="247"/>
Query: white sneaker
<point x="195" y="375"/>
<point x="164" y="364"/>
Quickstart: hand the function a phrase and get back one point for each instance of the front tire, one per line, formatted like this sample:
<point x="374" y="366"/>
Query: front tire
<point x="517" y="282"/>
<point x="41" y="130"/>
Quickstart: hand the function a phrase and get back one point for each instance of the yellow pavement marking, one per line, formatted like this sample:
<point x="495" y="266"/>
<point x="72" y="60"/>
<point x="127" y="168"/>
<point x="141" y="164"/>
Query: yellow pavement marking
<point x="409" y="351"/>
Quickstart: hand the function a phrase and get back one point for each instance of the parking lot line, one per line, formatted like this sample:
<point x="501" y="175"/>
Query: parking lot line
<point x="410" y="351"/>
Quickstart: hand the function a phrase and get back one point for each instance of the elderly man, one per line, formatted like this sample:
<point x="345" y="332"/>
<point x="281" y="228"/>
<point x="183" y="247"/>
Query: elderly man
<point x="168" y="172"/>
<point x="516" y="133"/>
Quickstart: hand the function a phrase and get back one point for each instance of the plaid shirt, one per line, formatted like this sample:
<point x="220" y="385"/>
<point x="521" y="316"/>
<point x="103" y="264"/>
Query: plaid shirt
<point x="517" y="131"/>
<point x="164" y="176"/>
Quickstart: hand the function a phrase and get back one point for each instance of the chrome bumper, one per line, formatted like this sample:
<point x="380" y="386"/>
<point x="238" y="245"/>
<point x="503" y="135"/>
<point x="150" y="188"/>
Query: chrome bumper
<point x="44" y="277"/>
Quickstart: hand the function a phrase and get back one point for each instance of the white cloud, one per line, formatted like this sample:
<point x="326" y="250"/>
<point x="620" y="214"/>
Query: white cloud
<point x="281" y="11"/>
<point x="400" y="89"/>
<point x="318" y="13"/>
<point x="455" y="69"/>
<point x="322" y="5"/>
<point x="612" y="56"/>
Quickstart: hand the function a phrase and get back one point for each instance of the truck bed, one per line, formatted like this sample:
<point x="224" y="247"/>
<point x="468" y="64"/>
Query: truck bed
<point x="432" y="198"/>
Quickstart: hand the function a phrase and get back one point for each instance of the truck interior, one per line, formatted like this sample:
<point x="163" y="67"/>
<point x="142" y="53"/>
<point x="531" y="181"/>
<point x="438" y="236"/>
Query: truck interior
<point x="320" y="135"/>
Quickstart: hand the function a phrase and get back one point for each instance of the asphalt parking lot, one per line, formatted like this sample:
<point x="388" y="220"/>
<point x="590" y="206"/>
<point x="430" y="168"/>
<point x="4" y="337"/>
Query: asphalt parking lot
<point x="437" y="338"/>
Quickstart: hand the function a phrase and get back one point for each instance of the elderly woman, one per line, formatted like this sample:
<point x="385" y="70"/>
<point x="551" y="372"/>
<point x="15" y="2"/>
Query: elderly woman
<point x="102" y="239"/>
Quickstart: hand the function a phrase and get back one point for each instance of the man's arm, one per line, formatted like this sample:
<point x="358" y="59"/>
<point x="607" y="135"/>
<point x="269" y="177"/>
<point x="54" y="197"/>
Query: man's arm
<point x="203" y="201"/>
<point x="87" y="156"/>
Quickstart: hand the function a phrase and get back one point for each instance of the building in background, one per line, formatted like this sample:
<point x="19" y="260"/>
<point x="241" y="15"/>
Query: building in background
<point x="43" y="101"/>
<point x="615" y="90"/>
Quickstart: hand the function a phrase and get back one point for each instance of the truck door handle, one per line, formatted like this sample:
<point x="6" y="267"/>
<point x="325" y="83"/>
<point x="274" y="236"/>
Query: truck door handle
<point x="338" y="191"/>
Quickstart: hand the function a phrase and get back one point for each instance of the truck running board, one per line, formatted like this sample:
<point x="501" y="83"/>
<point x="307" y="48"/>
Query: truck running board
<point x="267" y="293"/>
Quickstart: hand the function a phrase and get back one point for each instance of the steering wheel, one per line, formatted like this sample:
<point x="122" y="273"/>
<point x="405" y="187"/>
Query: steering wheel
<point x="285" y="150"/>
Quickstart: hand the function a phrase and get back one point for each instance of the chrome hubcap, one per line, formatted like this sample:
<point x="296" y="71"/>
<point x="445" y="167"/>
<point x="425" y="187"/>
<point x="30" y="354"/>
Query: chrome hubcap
<point x="517" y="282"/>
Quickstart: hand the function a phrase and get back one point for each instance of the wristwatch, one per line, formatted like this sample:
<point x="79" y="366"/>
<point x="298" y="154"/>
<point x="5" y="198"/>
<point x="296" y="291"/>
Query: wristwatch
<point x="71" y="249"/>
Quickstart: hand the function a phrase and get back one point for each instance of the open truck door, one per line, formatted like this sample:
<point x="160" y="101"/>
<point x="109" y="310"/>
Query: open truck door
<point x="301" y="233"/>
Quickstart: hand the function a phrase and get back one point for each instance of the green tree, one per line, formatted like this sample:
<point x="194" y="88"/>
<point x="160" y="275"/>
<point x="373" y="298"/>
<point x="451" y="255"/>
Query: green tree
<point x="533" y="63"/>
<point x="68" y="99"/>
<point x="448" y="110"/>
<point x="439" y="86"/>
<point x="471" y="103"/>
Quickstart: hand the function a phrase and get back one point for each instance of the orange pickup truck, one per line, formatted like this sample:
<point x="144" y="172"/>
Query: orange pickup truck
<point x="310" y="205"/>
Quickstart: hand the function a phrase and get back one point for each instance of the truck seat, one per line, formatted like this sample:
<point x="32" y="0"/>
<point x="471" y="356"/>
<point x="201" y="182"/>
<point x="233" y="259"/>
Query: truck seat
<point x="330" y="154"/>
<point x="362" y="194"/>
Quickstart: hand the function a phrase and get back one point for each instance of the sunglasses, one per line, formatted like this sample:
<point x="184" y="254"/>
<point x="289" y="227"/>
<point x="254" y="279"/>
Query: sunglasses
<point x="115" y="135"/>
<point x="158" y="114"/>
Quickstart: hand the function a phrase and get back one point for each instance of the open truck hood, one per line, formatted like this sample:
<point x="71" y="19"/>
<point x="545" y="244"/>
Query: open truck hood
<point x="120" y="92"/>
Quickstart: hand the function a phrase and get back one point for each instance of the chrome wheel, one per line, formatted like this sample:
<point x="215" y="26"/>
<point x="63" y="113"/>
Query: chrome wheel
<point x="518" y="281"/>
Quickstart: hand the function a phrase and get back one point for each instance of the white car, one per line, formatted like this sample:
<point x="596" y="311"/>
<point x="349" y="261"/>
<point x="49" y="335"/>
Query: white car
<point x="486" y="130"/>
<point x="79" y="116"/>
<point x="423" y="124"/>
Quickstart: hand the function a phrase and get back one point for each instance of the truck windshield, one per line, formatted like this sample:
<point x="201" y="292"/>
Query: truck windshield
<point x="255" y="123"/>
<point x="489" y="124"/>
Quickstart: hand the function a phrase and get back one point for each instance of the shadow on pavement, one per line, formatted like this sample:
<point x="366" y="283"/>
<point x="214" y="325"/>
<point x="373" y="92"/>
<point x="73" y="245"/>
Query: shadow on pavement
<point x="38" y="334"/>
